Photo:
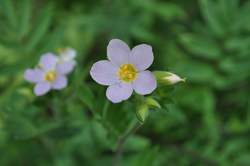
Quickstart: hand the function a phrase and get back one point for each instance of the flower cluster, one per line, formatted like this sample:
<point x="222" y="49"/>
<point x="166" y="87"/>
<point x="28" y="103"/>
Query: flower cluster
<point x="125" y="71"/>
<point x="51" y="71"/>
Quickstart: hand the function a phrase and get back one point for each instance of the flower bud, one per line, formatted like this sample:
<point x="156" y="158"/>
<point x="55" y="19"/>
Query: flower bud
<point x="167" y="78"/>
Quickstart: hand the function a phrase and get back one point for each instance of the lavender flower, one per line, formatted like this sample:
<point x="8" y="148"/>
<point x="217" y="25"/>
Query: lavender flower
<point x="125" y="71"/>
<point x="48" y="75"/>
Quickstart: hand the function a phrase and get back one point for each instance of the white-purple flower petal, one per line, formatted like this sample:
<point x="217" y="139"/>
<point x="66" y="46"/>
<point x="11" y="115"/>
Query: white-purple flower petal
<point x="119" y="92"/>
<point x="60" y="82"/>
<point x="42" y="88"/>
<point x="48" y="61"/>
<point x="33" y="75"/>
<point x="65" y="67"/>
<point x="145" y="83"/>
<point x="104" y="72"/>
<point x="142" y="56"/>
<point x="68" y="54"/>
<point x="118" y="52"/>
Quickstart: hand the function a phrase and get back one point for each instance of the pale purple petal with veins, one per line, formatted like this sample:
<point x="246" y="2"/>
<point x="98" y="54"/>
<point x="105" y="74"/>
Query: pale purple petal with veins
<point x="145" y="83"/>
<point x="48" y="61"/>
<point x="104" y="73"/>
<point x="60" y="82"/>
<point x="141" y="56"/>
<point x="119" y="92"/>
<point x="65" y="67"/>
<point x="42" y="88"/>
<point x="118" y="52"/>
<point x="34" y="75"/>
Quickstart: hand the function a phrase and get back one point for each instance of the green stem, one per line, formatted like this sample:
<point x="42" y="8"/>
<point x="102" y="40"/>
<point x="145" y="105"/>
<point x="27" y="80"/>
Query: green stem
<point x="105" y="109"/>
<point x="122" y="140"/>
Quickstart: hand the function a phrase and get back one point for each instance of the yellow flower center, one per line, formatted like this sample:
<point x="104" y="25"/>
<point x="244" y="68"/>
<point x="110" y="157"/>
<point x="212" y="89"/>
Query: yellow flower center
<point x="127" y="72"/>
<point x="50" y="76"/>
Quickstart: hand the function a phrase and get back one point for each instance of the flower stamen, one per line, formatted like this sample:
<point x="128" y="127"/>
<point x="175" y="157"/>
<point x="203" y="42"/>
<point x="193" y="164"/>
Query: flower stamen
<point x="50" y="76"/>
<point x="127" y="73"/>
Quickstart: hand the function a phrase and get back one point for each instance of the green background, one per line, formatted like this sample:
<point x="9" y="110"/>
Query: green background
<point x="206" y="121"/>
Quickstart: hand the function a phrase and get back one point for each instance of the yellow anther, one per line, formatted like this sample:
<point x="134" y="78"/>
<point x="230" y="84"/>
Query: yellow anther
<point x="127" y="73"/>
<point x="130" y="76"/>
<point x="50" y="76"/>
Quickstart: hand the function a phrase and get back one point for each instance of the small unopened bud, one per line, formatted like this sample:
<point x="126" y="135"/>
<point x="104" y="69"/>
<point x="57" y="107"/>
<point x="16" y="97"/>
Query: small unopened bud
<point x="167" y="78"/>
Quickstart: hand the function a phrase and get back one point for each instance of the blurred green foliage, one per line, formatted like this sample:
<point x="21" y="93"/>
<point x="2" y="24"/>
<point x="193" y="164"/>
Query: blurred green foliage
<point x="206" y="41"/>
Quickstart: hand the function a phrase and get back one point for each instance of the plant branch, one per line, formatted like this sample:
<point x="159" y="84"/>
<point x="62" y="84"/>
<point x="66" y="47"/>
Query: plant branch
<point x="122" y="140"/>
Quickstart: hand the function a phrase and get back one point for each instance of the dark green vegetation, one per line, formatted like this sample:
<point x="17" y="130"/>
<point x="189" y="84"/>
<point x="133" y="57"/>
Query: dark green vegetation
<point x="206" y="41"/>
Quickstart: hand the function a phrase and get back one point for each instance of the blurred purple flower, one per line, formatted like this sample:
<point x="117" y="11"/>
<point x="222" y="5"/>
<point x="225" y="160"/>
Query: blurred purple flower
<point x="125" y="71"/>
<point x="48" y="75"/>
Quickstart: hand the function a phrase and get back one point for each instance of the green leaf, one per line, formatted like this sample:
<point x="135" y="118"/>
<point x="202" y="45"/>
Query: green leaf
<point x="86" y="96"/>
<point x="43" y="23"/>
<point x="201" y="46"/>
<point x="243" y="159"/>
<point x="197" y="71"/>
<point x="8" y="9"/>
<point x="169" y="11"/>
<point x="20" y="127"/>
<point x="243" y="21"/>
<point x="165" y="10"/>
<point x="25" y="15"/>
<point x="229" y="10"/>
<point x="209" y="12"/>
<point x="137" y="143"/>
<point x="147" y="157"/>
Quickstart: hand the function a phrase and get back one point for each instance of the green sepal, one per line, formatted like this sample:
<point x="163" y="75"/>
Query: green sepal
<point x="142" y="113"/>
<point x="152" y="103"/>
